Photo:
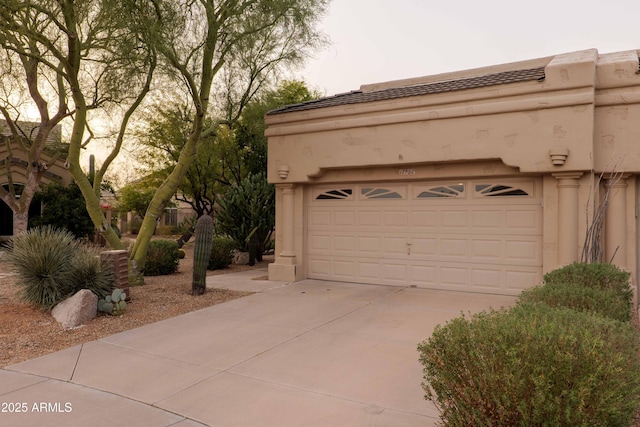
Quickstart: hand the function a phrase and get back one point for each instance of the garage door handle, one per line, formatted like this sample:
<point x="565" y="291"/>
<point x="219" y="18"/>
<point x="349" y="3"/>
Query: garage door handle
<point x="408" y="248"/>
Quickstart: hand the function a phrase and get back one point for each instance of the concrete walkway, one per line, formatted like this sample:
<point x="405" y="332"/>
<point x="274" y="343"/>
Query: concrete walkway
<point x="312" y="353"/>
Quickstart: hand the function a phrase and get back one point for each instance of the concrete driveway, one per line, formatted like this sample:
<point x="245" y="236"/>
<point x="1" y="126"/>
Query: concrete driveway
<point x="312" y="353"/>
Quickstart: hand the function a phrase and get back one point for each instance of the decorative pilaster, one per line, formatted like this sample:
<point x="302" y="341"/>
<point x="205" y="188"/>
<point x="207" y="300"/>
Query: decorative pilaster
<point x="288" y="222"/>
<point x="615" y="245"/>
<point x="568" y="186"/>
<point x="285" y="268"/>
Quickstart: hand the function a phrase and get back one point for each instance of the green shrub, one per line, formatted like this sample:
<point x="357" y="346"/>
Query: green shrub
<point x="162" y="258"/>
<point x="221" y="253"/>
<point x="595" y="275"/>
<point x="87" y="273"/>
<point x="533" y="365"/>
<point x="135" y="224"/>
<point x="51" y="266"/>
<point x="605" y="302"/>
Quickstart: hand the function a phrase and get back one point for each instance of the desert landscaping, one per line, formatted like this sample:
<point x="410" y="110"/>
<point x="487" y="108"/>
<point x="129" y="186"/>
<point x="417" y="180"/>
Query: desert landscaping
<point x="27" y="332"/>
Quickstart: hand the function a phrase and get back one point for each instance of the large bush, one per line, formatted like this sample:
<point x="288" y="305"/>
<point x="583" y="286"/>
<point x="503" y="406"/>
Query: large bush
<point x="533" y="365"/>
<point x="62" y="207"/>
<point x="162" y="258"/>
<point x="221" y="253"/>
<point x="51" y="266"/>
<point x="596" y="275"/>
<point x="606" y="302"/>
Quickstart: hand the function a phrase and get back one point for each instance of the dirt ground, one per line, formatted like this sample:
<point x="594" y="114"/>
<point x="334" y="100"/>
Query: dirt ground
<point x="26" y="332"/>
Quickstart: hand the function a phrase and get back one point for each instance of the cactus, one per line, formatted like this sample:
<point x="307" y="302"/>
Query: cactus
<point x="113" y="304"/>
<point x="201" y="254"/>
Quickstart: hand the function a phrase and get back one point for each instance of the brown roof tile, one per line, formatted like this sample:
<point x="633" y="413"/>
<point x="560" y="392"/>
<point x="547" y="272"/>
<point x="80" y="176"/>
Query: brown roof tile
<point x="358" y="97"/>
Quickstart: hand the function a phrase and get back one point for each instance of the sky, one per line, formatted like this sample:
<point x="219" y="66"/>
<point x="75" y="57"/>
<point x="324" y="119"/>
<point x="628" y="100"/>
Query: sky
<point x="374" y="41"/>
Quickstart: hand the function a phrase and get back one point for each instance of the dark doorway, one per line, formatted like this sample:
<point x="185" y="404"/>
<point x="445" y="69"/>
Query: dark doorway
<point x="6" y="220"/>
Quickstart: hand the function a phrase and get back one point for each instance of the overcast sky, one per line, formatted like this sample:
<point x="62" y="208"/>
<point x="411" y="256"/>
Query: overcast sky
<point x="381" y="40"/>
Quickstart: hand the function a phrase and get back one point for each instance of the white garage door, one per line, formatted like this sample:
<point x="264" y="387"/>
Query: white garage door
<point x="478" y="236"/>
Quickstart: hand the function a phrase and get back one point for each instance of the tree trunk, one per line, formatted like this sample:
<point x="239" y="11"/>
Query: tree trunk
<point x="20" y="222"/>
<point x="164" y="193"/>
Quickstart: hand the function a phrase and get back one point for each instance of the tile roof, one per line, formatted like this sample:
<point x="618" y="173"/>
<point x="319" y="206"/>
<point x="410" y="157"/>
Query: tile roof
<point x="358" y="97"/>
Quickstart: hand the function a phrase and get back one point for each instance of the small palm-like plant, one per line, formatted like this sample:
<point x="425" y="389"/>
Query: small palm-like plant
<point x="42" y="258"/>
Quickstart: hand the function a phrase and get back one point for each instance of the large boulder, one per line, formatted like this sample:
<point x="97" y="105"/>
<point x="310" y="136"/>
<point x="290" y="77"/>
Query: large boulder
<point x="76" y="310"/>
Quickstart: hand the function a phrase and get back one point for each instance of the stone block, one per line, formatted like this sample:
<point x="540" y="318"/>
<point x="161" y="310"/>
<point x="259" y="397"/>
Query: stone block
<point x="241" y="258"/>
<point x="77" y="309"/>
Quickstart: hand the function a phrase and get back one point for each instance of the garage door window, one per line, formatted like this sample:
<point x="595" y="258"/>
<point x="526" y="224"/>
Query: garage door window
<point x="502" y="190"/>
<point x="379" y="193"/>
<point x="452" y="190"/>
<point x="341" y="194"/>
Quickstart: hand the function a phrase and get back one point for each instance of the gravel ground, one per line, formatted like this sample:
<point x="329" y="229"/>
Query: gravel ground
<point x="26" y="332"/>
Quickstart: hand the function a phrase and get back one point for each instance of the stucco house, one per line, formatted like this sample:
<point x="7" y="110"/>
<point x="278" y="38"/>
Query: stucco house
<point x="480" y="180"/>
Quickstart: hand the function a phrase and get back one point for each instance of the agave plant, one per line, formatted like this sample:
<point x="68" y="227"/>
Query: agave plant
<point x="43" y="260"/>
<point x="52" y="265"/>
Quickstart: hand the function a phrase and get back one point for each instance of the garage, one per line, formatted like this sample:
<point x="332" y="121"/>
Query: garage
<point x="477" y="180"/>
<point x="465" y="235"/>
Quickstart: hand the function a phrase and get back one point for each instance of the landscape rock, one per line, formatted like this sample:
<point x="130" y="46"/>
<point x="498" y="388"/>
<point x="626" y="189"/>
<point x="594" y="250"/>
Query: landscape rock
<point x="241" y="258"/>
<point x="76" y="310"/>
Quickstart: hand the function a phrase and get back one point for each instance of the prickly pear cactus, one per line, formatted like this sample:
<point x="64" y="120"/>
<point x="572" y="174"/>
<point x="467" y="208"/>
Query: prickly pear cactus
<point x="113" y="304"/>
<point x="201" y="254"/>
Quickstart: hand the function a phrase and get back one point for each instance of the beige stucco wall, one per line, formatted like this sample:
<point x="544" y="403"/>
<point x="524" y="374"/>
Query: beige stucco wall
<point x="587" y="105"/>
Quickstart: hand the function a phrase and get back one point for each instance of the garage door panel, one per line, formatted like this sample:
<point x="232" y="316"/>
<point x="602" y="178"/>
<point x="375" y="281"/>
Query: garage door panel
<point x="454" y="247"/>
<point x="488" y="219"/>
<point x="394" y="272"/>
<point x="454" y="276"/>
<point x="458" y="240"/>
<point x="369" y="218"/>
<point x="395" y="246"/>
<point x="344" y="243"/>
<point x="454" y="219"/>
<point x="487" y="278"/>
<point x="426" y="246"/>
<point x="395" y="219"/>
<point x="487" y="249"/>
<point x="523" y="221"/>
<point x="424" y="220"/>
<point x="370" y="244"/>
<point x="518" y="280"/>
<point x="343" y="218"/>
<point x="319" y="243"/>
<point x="320" y="218"/>
<point x="369" y="270"/>
<point x="523" y="250"/>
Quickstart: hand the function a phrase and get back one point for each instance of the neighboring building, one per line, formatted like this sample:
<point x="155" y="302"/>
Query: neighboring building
<point x="55" y="172"/>
<point x="479" y="180"/>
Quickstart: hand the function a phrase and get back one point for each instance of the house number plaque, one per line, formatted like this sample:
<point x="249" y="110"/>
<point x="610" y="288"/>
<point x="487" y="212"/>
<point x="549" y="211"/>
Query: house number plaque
<point x="406" y="171"/>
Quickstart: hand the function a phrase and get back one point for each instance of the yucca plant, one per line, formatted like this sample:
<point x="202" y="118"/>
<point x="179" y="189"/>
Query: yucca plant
<point x="87" y="273"/>
<point x="43" y="260"/>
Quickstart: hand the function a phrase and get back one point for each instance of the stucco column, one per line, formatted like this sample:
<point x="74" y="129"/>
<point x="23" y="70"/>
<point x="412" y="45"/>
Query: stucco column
<point x="568" y="186"/>
<point x="284" y="268"/>
<point x="615" y="222"/>
<point x="288" y="229"/>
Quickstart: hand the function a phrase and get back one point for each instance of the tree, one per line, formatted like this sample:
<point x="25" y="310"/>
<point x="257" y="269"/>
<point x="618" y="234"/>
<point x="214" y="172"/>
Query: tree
<point x="135" y="198"/>
<point x="162" y="138"/>
<point x="73" y="58"/>
<point x="244" y="42"/>
<point x="101" y="56"/>
<point x="250" y="128"/>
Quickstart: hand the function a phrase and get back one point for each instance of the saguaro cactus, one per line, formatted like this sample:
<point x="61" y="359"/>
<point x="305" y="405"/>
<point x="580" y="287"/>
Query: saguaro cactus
<point x="201" y="254"/>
